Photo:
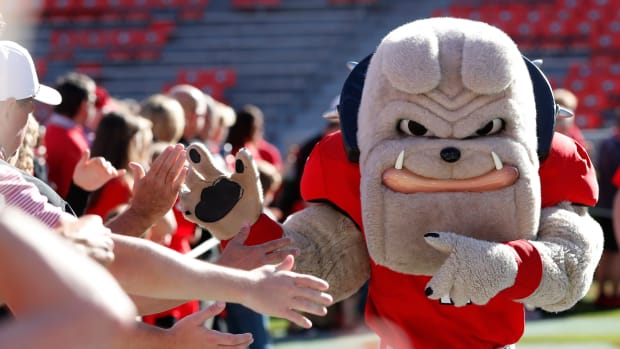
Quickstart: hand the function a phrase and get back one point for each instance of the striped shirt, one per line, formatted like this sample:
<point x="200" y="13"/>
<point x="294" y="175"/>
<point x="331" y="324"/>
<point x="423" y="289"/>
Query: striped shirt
<point x="22" y="194"/>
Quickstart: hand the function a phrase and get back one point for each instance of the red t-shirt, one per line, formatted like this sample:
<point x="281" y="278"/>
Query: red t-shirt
<point x="397" y="308"/>
<point x="64" y="149"/>
<point x="616" y="179"/>
<point x="115" y="192"/>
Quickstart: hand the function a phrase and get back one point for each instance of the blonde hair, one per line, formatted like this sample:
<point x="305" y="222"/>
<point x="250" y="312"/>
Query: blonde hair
<point x="166" y="114"/>
<point x="24" y="158"/>
<point x="565" y="98"/>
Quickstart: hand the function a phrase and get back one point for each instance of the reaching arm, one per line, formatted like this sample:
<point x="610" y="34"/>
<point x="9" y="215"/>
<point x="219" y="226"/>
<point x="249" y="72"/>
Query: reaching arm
<point x="188" y="333"/>
<point x="166" y="274"/>
<point x="60" y="298"/>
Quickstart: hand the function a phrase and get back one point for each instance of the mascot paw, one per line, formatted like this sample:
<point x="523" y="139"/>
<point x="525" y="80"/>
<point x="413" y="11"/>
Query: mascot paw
<point x="474" y="271"/>
<point x="217" y="201"/>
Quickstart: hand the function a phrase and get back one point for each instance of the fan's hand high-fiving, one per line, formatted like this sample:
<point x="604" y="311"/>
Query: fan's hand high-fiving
<point x="219" y="201"/>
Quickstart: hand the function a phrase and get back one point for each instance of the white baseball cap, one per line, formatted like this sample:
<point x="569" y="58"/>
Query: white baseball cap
<point x="18" y="76"/>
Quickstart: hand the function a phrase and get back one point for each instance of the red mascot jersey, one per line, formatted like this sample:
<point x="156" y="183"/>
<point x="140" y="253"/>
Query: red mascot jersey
<point x="397" y="308"/>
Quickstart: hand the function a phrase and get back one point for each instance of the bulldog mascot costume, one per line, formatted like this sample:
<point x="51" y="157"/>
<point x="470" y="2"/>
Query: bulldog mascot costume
<point x="446" y="190"/>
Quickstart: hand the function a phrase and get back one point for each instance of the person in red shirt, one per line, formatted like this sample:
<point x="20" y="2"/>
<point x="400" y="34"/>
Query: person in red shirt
<point x="120" y="138"/>
<point x="65" y="138"/>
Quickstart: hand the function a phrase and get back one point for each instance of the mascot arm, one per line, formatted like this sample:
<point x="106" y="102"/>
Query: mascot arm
<point x="570" y="244"/>
<point x="331" y="245"/>
<point x="332" y="248"/>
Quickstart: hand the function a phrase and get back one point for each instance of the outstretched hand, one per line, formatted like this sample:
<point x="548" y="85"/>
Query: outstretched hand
<point x="238" y="255"/>
<point x="155" y="191"/>
<point x="91" y="174"/>
<point x="191" y="333"/>
<point x="278" y="291"/>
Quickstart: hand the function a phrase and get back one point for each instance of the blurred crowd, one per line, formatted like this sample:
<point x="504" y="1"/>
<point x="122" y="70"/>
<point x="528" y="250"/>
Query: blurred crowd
<point x="89" y="212"/>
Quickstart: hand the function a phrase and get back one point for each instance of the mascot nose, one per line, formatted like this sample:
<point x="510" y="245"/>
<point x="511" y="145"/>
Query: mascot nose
<point x="450" y="154"/>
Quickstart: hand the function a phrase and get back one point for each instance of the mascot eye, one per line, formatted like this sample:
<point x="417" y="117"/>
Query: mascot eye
<point x="494" y="126"/>
<point x="413" y="128"/>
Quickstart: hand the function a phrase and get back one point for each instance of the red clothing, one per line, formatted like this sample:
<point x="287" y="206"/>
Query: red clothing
<point x="397" y="308"/>
<point x="179" y="243"/>
<point x="616" y="179"/>
<point x="64" y="149"/>
<point x="568" y="165"/>
<point x="115" y="192"/>
<point x="270" y="153"/>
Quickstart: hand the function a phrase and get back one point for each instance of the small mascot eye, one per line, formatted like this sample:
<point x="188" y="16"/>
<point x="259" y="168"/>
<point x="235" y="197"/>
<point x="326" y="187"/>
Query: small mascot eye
<point x="492" y="127"/>
<point x="413" y="128"/>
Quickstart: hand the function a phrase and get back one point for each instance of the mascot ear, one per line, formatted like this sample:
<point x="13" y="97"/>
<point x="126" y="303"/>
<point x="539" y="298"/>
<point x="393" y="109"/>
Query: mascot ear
<point x="546" y="108"/>
<point x="351" y="94"/>
<point x="349" y="105"/>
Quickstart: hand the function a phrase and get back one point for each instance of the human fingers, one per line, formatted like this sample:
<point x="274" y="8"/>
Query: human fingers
<point x="279" y="256"/>
<point x="234" y="341"/>
<point x="137" y="170"/>
<point x="304" y="305"/>
<point x="240" y="238"/>
<point x="309" y="281"/>
<point x="84" y="157"/>
<point x="273" y="245"/>
<point x="315" y="296"/>
<point x="176" y="172"/>
<point x="296" y="318"/>
<point x="208" y="312"/>
<point x="287" y="264"/>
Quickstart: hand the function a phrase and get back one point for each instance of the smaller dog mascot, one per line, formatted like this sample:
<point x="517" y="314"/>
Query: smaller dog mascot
<point x="446" y="189"/>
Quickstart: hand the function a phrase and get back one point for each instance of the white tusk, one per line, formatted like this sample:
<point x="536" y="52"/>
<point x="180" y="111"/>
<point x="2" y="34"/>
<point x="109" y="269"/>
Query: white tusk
<point x="399" y="160"/>
<point x="497" y="161"/>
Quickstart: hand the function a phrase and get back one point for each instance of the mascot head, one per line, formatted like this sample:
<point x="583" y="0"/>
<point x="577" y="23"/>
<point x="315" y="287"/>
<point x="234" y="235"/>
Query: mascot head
<point x="447" y="141"/>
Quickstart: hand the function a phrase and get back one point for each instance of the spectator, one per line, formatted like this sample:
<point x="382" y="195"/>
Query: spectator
<point x="289" y="199"/>
<point x="27" y="157"/>
<point x="270" y="181"/>
<point x="194" y="108"/>
<point x="65" y="136"/>
<point x="248" y="132"/>
<point x="167" y="117"/>
<point x="608" y="272"/>
<point x="104" y="104"/>
<point x="215" y="130"/>
<point x="121" y="138"/>
<point x="567" y="125"/>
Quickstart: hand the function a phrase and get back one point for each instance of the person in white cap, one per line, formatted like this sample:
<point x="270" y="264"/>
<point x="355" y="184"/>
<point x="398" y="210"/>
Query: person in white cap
<point x="19" y="88"/>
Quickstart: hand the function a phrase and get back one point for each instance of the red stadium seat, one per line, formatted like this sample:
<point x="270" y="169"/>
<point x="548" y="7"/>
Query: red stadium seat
<point x="252" y="4"/>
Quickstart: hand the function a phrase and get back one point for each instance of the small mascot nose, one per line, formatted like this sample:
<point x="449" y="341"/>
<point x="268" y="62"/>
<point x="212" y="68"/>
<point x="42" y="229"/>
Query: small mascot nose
<point x="450" y="154"/>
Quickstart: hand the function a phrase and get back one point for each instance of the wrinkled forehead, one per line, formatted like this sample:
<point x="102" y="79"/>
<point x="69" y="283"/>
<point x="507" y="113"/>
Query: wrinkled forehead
<point x="450" y="55"/>
<point x="450" y="75"/>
